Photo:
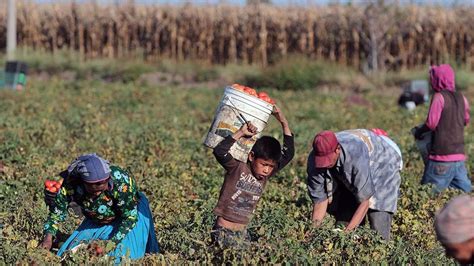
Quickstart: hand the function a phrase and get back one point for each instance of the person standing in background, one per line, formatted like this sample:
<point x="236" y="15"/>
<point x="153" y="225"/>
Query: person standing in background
<point x="447" y="117"/>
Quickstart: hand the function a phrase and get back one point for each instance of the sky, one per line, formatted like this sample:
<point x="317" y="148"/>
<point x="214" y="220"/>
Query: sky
<point x="277" y="2"/>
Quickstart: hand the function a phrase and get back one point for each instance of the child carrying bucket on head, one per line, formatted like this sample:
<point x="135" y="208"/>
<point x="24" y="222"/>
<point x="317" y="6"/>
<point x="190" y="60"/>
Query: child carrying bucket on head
<point x="244" y="183"/>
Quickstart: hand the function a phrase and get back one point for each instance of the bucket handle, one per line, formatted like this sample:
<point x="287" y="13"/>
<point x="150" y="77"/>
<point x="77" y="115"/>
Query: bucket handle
<point x="239" y="115"/>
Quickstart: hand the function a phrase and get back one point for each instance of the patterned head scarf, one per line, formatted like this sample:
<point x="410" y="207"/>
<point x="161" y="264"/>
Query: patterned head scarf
<point x="90" y="168"/>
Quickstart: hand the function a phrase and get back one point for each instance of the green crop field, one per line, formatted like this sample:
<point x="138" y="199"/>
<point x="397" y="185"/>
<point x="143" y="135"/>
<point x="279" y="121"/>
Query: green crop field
<point x="156" y="131"/>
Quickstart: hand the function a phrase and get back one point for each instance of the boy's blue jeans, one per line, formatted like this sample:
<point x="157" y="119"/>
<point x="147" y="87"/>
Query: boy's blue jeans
<point x="447" y="174"/>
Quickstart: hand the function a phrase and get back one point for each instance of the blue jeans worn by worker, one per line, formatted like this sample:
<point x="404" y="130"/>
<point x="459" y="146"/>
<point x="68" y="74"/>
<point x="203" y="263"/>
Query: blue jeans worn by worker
<point x="447" y="174"/>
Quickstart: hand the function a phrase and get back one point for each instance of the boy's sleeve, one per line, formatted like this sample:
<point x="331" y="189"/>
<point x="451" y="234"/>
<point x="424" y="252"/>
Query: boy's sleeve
<point x="221" y="152"/>
<point x="57" y="211"/>
<point x="127" y="204"/>
<point x="288" y="151"/>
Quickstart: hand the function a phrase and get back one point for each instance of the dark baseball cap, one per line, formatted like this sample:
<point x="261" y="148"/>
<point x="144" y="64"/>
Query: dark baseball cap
<point x="324" y="146"/>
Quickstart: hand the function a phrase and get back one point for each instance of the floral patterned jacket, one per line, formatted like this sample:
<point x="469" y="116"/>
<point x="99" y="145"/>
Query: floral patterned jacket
<point x="119" y="201"/>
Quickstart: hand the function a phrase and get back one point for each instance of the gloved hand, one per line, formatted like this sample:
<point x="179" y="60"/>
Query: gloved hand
<point x="420" y="131"/>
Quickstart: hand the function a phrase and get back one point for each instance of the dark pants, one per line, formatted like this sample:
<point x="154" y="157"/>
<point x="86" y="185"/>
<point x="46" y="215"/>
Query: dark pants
<point x="345" y="204"/>
<point x="226" y="238"/>
<point x="381" y="222"/>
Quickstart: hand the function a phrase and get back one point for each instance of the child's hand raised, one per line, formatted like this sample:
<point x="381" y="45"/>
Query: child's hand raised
<point x="278" y="114"/>
<point x="247" y="130"/>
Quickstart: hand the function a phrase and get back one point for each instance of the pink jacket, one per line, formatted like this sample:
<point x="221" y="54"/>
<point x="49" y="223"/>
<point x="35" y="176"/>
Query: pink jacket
<point x="442" y="78"/>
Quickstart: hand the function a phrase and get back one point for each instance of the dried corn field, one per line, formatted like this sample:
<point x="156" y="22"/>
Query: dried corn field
<point x="366" y="37"/>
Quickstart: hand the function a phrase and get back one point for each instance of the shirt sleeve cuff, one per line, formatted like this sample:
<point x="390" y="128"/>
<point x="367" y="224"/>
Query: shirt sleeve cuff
<point x="318" y="200"/>
<point x="50" y="231"/>
<point x="288" y="139"/>
<point x="230" y="139"/>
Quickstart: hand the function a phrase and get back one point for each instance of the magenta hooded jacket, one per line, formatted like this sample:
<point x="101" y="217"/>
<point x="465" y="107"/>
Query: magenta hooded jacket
<point x="442" y="78"/>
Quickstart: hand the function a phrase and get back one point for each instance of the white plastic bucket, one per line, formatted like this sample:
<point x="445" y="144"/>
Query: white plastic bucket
<point x="227" y="120"/>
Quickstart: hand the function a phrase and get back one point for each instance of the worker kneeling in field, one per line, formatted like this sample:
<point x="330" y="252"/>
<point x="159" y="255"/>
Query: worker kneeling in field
<point x="113" y="206"/>
<point x="353" y="173"/>
<point x="454" y="226"/>
<point x="244" y="183"/>
<point x="447" y="117"/>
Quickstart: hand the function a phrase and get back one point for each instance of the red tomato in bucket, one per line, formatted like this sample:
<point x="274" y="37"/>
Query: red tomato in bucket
<point x="251" y="91"/>
<point x="263" y="94"/>
<point x="265" y="98"/>
<point x="268" y="100"/>
<point x="238" y="87"/>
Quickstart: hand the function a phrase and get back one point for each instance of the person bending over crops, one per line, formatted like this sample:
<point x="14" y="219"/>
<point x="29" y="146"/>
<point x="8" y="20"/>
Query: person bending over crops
<point x="447" y="117"/>
<point x="454" y="226"/>
<point x="353" y="173"/>
<point x="244" y="182"/>
<point x="113" y="207"/>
